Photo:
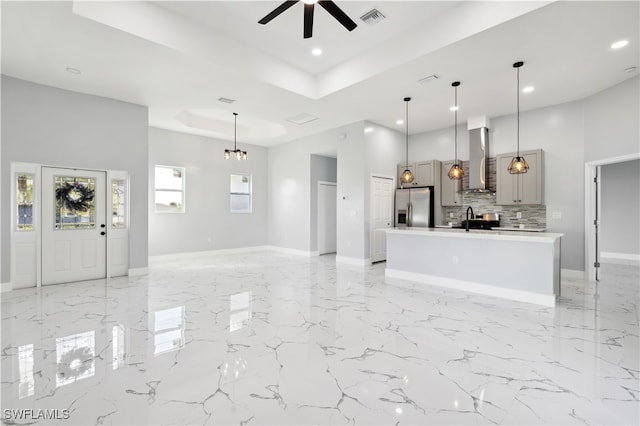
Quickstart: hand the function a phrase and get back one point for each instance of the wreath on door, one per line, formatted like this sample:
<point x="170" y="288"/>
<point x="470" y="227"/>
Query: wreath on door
<point x="75" y="197"/>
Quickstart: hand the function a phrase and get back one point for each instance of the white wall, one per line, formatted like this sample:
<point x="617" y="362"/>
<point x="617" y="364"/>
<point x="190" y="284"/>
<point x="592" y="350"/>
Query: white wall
<point x="207" y="223"/>
<point x="322" y="169"/>
<point x="50" y="126"/>
<point x="620" y="221"/>
<point x="289" y="216"/>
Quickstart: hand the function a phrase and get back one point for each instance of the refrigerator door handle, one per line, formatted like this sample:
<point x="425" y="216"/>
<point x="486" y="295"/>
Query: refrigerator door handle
<point x="409" y="214"/>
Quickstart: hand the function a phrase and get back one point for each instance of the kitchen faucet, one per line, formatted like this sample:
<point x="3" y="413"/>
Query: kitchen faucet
<point x="467" y="223"/>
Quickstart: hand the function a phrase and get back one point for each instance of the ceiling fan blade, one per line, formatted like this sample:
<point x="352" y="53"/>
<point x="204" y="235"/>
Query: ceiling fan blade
<point x="308" y="20"/>
<point x="277" y="11"/>
<point x="337" y="13"/>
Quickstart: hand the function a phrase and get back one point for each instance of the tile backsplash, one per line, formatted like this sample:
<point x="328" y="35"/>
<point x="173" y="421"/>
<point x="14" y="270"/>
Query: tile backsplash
<point x="533" y="216"/>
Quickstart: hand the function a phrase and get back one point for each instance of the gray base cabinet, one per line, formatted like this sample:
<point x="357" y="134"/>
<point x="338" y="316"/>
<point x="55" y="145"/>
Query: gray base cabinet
<point x="526" y="188"/>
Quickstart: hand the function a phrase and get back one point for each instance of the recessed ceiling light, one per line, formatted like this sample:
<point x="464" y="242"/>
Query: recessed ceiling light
<point x="528" y="89"/>
<point x="619" y="44"/>
<point x="317" y="51"/>
<point x="453" y="108"/>
<point x="368" y="129"/>
<point x="73" y="71"/>
<point x="399" y="122"/>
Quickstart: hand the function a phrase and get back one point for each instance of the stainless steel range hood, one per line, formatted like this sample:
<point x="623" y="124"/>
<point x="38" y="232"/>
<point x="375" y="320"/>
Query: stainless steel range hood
<point x="479" y="160"/>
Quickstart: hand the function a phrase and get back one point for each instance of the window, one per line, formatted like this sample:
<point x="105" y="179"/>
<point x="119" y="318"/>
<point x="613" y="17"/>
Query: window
<point x="169" y="189"/>
<point x="240" y="194"/>
<point x="24" y="198"/>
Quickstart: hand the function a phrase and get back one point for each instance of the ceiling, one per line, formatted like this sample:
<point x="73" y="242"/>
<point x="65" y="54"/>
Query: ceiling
<point x="179" y="58"/>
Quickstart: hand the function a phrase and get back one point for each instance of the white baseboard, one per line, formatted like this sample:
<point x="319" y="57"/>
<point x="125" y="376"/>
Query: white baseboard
<point x="353" y="261"/>
<point x="137" y="272"/>
<point x="162" y="258"/>
<point x="5" y="287"/>
<point x="295" y="252"/>
<point x="468" y="286"/>
<point x="571" y="273"/>
<point x="620" y="258"/>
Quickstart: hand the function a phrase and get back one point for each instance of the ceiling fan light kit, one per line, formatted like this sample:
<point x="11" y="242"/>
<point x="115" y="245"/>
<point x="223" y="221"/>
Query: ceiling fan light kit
<point x="309" y="6"/>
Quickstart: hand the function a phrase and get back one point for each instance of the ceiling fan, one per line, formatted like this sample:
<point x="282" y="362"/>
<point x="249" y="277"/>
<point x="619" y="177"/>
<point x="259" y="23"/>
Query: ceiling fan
<point x="328" y="5"/>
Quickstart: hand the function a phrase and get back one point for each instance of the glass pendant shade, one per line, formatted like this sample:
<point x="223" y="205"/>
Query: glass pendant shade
<point x="455" y="172"/>
<point x="238" y="153"/>
<point x="518" y="165"/>
<point x="407" y="176"/>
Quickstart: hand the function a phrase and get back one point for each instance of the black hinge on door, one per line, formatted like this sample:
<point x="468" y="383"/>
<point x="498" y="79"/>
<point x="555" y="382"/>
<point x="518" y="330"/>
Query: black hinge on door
<point x="596" y="264"/>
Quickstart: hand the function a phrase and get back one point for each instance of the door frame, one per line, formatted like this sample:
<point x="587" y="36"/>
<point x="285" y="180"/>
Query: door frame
<point x="591" y="206"/>
<point x="327" y="183"/>
<point x="393" y="207"/>
<point x="36" y="170"/>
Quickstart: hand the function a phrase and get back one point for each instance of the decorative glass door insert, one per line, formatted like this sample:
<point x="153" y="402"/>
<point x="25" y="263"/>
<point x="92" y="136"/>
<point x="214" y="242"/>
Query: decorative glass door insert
<point x="75" y="202"/>
<point x="24" y="199"/>
<point x="118" y="203"/>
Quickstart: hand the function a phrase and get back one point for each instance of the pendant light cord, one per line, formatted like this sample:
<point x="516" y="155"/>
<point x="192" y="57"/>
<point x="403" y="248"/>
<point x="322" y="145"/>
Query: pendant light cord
<point x="235" y="130"/>
<point x="518" y="111"/>
<point x="455" y="123"/>
<point x="407" y="131"/>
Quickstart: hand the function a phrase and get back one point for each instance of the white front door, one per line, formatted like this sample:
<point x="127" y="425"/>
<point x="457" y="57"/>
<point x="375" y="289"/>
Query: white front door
<point x="381" y="216"/>
<point x="327" y="223"/>
<point x="73" y="225"/>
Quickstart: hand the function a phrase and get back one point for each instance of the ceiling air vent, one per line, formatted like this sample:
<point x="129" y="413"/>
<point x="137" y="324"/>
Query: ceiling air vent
<point x="301" y="118"/>
<point x="226" y="100"/>
<point x="372" y="17"/>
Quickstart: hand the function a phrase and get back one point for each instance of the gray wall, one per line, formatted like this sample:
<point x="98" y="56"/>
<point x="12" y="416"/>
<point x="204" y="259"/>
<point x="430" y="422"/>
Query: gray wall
<point x="322" y="169"/>
<point x="42" y="124"/>
<point x="620" y="226"/>
<point x="559" y="131"/>
<point x="207" y="223"/>
<point x="611" y="123"/>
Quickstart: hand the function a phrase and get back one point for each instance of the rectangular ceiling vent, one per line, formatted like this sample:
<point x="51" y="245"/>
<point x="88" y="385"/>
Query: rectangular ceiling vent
<point x="372" y="17"/>
<point x="301" y="118"/>
<point x="428" y="79"/>
<point x="226" y="100"/>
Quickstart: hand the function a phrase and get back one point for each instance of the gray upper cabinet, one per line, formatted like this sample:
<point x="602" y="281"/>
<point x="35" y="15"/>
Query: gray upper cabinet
<point x="451" y="194"/>
<point x="425" y="173"/>
<point x="526" y="188"/>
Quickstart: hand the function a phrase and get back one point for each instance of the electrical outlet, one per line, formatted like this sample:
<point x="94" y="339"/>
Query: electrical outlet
<point x="519" y="215"/>
<point x="556" y="215"/>
<point x="451" y="215"/>
<point x="455" y="260"/>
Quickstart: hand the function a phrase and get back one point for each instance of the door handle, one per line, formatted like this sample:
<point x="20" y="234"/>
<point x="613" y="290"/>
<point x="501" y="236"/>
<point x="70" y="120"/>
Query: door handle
<point x="103" y="233"/>
<point x="103" y="225"/>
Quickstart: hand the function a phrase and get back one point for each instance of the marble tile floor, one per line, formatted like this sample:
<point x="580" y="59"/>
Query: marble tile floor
<point x="265" y="338"/>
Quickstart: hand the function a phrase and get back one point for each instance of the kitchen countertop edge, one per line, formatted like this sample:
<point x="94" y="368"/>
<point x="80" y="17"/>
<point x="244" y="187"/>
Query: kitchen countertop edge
<point x="478" y="234"/>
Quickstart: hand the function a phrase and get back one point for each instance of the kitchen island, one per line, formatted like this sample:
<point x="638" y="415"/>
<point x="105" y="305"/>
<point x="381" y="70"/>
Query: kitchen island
<point x="522" y="266"/>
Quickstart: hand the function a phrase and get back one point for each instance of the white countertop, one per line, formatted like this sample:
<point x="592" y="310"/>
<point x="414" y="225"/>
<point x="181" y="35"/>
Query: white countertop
<point x="507" y="235"/>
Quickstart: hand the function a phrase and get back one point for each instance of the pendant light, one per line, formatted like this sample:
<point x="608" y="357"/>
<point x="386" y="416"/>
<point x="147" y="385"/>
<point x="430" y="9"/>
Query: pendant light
<point x="407" y="176"/>
<point x="455" y="172"/>
<point x="239" y="154"/>
<point x="518" y="164"/>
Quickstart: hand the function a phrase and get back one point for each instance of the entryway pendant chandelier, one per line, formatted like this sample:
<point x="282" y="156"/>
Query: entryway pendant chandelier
<point x="407" y="176"/>
<point x="456" y="171"/>
<point x="518" y="164"/>
<point x="239" y="154"/>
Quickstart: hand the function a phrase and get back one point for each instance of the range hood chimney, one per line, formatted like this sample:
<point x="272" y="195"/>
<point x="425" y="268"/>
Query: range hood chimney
<point x="478" y="128"/>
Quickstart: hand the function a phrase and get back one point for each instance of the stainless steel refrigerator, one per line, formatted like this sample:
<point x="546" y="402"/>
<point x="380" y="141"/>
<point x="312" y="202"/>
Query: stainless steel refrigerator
<point x="414" y="207"/>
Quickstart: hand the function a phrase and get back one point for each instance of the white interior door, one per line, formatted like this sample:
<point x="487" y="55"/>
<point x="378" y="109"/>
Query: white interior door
<point x="73" y="225"/>
<point x="381" y="216"/>
<point x="327" y="228"/>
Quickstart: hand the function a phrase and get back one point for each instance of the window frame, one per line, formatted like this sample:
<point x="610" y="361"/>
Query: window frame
<point x="183" y="208"/>
<point x="250" y="193"/>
